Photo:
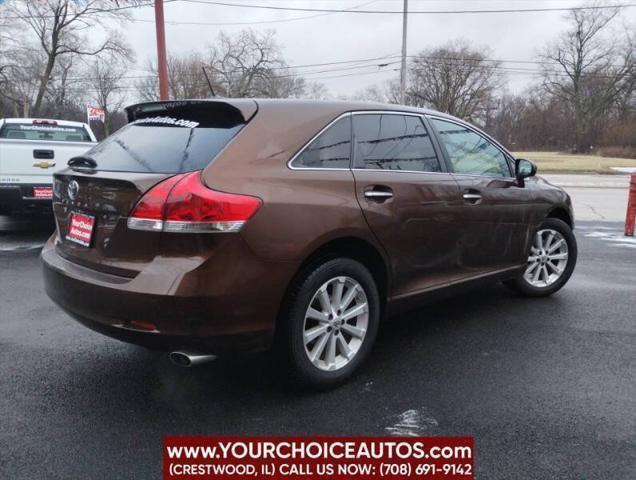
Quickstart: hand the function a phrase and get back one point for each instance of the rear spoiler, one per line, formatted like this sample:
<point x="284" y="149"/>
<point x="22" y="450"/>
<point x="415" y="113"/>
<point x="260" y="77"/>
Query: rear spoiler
<point x="221" y="113"/>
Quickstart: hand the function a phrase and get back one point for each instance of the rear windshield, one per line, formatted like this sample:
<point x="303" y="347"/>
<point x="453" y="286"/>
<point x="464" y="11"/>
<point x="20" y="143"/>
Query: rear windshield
<point x="163" y="144"/>
<point x="51" y="133"/>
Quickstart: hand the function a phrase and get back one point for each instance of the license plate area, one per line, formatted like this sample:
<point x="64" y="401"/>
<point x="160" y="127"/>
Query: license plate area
<point x="80" y="229"/>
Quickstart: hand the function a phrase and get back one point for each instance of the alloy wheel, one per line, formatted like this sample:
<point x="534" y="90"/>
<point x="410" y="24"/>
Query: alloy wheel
<point x="548" y="258"/>
<point x="336" y="323"/>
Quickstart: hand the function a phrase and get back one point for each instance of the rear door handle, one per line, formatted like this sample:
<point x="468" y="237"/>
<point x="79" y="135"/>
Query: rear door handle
<point x="472" y="198"/>
<point x="378" y="193"/>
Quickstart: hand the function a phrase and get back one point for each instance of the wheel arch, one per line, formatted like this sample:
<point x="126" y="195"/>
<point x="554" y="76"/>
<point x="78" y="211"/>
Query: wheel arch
<point x="561" y="213"/>
<point x="352" y="247"/>
<point x="357" y="249"/>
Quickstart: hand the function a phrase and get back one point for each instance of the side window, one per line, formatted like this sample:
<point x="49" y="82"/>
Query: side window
<point x="331" y="149"/>
<point x="469" y="152"/>
<point x="393" y="142"/>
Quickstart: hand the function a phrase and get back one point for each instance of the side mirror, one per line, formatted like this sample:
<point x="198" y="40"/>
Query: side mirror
<point x="524" y="169"/>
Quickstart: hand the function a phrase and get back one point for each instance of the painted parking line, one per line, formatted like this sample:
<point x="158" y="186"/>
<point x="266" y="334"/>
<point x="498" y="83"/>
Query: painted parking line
<point x="22" y="242"/>
<point x="613" y="236"/>
<point x="412" y="423"/>
<point x="597" y="227"/>
<point x="23" y="234"/>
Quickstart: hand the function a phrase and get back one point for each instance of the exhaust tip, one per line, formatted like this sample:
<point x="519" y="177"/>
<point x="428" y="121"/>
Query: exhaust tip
<point x="180" y="359"/>
<point x="184" y="358"/>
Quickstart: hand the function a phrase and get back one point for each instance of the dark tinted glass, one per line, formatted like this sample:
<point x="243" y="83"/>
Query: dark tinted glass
<point x="50" y="133"/>
<point x="331" y="149"/>
<point x="469" y="152"/>
<point x="153" y="147"/>
<point x="393" y="142"/>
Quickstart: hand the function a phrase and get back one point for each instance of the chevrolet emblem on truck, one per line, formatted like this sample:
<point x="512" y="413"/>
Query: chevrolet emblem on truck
<point x="44" y="164"/>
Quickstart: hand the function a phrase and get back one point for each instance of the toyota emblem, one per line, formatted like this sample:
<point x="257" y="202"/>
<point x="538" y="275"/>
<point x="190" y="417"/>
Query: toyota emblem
<point x="73" y="189"/>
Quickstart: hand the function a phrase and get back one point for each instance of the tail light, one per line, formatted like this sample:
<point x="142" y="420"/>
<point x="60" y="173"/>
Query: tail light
<point x="184" y="204"/>
<point x="43" y="122"/>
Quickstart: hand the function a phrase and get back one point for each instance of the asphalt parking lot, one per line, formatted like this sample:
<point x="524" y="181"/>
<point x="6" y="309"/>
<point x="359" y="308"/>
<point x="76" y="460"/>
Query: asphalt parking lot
<point x="547" y="386"/>
<point x="595" y="197"/>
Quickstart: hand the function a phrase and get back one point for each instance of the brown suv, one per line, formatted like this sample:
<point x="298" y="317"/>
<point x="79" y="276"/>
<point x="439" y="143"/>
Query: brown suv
<point x="210" y="227"/>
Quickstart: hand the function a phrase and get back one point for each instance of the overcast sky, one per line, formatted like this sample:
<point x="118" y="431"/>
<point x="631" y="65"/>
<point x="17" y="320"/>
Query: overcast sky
<point x="348" y="36"/>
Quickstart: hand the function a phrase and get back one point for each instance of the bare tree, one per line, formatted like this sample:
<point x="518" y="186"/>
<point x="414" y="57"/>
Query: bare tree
<point x="61" y="28"/>
<point x="455" y="79"/>
<point x="11" y="60"/>
<point x="248" y="64"/>
<point x="372" y="93"/>
<point x="105" y="82"/>
<point x="186" y="79"/>
<point x="251" y="64"/>
<point x="283" y="84"/>
<point x="7" y="49"/>
<point x="67" y="87"/>
<point x="20" y="79"/>
<point x="386" y="92"/>
<point x="530" y="120"/>
<point x="316" y="91"/>
<point x="147" y="88"/>
<point x="590" y="70"/>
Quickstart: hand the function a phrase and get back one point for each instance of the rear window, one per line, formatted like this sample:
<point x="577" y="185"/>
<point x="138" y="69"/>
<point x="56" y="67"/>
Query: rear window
<point x="331" y="149"/>
<point x="51" y="133"/>
<point x="167" y="143"/>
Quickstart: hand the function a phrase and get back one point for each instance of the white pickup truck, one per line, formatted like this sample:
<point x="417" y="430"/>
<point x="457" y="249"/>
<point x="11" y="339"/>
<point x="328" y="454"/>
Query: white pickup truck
<point x="31" y="151"/>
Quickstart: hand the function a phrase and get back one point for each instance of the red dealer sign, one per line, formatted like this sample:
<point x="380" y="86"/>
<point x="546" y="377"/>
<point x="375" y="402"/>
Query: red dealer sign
<point x="80" y="229"/>
<point x="329" y="458"/>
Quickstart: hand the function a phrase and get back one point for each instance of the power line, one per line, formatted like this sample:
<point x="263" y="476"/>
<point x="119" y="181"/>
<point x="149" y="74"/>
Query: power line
<point x="197" y="23"/>
<point x="341" y="69"/>
<point x="438" y="1"/>
<point x="479" y="60"/>
<point x="359" y="60"/>
<point x="97" y="12"/>
<point x="356" y="74"/>
<point x="132" y="88"/>
<point x="415" y="12"/>
<point x="284" y="75"/>
<point x="380" y="68"/>
<point x="434" y="58"/>
<point x="325" y="11"/>
<point x="258" y="22"/>
<point x="387" y="60"/>
<point x="334" y="11"/>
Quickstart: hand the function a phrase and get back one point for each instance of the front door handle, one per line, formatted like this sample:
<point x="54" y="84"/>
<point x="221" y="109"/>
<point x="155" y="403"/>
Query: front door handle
<point x="376" y="194"/>
<point x="472" y="198"/>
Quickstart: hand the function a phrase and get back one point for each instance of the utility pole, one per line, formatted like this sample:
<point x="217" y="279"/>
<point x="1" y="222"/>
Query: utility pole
<point x="405" y="15"/>
<point x="161" y="50"/>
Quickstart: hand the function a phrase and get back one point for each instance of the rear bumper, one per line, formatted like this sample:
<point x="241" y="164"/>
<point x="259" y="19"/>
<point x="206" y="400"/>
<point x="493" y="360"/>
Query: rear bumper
<point x="242" y="319"/>
<point x="17" y="198"/>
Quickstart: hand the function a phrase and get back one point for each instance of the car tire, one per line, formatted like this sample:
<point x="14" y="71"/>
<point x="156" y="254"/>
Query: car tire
<point x="552" y="241"/>
<point x="320" y="363"/>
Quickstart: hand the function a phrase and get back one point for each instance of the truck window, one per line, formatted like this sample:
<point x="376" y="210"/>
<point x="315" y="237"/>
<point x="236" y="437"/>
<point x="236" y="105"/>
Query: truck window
<point x="48" y="133"/>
